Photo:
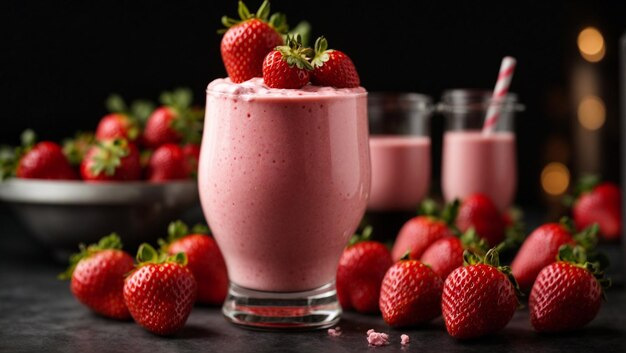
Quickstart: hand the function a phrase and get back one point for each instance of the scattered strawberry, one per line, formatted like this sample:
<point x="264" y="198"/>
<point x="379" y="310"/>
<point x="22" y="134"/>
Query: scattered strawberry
<point x="446" y="254"/>
<point x="479" y="212"/>
<point x="168" y="162"/>
<point x="479" y="298"/>
<point x="173" y="122"/>
<point x="287" y="66"/>
<point x="596" y="202"/>
<point x="111" y="160"/>
<point x="362" y="267"/>
<point x="333" y="67"/>
<point x="192" y="156"/>
<point x="567" y="294"/>
<point x="246" y="42"/>
<point x="97" y="276"/>
<point x="160" y="292"/>
<point x="542" y="246"/>
<point x="204" y="260"/>
<point x="410" y="294"/>
<point x="418" y="233"/>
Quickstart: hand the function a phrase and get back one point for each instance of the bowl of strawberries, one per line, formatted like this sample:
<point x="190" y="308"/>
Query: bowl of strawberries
<point x="133" y="175"/>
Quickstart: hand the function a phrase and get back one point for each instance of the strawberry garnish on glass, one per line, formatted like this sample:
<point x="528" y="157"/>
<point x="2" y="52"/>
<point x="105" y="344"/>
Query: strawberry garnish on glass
<point x="161" y="291"/>
<point x="97" y="276"/>
<point x="288" y="66"/>
<point x="567" y="294"/>
<point x="333" y="67"/>
<point x="247" y="41"/>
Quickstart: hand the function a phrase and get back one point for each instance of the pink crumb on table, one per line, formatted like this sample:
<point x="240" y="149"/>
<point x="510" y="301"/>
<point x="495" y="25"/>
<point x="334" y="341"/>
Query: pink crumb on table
<point x="334" y="332"/>
<point x="377" y="338"/>
<point x="404" y="339"/>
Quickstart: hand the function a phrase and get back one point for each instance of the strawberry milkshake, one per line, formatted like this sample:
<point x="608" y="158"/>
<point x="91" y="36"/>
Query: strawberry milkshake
<point x="284" y="178"/>
<point x="400" y="172"/>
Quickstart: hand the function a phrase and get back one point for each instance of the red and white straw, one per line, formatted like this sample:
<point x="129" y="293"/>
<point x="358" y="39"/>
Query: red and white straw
<point x="499" y="93"/>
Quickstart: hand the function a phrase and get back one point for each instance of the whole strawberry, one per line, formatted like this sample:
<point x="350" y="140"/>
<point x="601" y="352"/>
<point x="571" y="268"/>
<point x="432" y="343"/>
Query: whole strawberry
<point x="116" y="125"/>
<point x="567" y="294"/>
<point x="446" y="254"/>
<point x="542" y="246"/>
<point x="160" y="292"/>
<point x="111" y="160"/>
<point x="333" y="67"/>
<point x="418" y="233"/>
<point x="246" y="42"/>
<point x="479" y="298"/>
<point x="479" y="212"/>
<point x="191" y="151"/>
<point x="44" y="160"/>
<point x="168" y="162"/>
<point x="596" y="202"/>
<point x="410" y="294"/>
<point x="97" y="277"/>
<point x="362" y="267"/>
<point x="287" y="66"/>
<point x="175" y="121"/>
<point x="204" y="260"/>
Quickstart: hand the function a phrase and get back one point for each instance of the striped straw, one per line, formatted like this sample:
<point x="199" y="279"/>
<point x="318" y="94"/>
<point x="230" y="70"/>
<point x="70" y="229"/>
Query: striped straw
<point x="499" y="93"/>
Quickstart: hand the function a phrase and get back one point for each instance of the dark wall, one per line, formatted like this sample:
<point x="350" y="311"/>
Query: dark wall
<point x="60" y="59"/>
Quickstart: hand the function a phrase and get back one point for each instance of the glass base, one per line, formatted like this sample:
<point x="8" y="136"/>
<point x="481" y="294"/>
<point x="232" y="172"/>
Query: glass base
<point x="314" y="309"/>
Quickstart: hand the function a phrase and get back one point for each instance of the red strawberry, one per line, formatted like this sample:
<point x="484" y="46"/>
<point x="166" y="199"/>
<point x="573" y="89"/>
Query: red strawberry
<point x="567" y="294"/>
<point x="97" y="274"/>
<point x="446" y="254"/>
<point x="479" y="212"/>
<point x="333" y="67"/>
<point x="117" y="125"/>
<point x="479" y="298"/>
<point x="160" y="292"/>
<point x="45" y="160"/>
<point x="204" y="260"/>
<point x="246" y="43"/>
<point x="287" y="66"/>
<point x="173" y="122"/>
<point x="410" y="294"/>
<point x="111" y="160"/>
<point x="168" y="162"/>
<point x="418" y="233"/>
<point x="541" y="248"/>
<point x="192" y="156"/>
<point x="362" y="267"/>
<point x="598" y="203"/>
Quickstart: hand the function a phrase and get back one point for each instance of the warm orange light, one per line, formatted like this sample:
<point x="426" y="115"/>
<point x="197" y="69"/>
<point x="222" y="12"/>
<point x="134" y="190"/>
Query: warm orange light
<point x="591" y="44"/>
<point x="555" y="178"/>
<point x="591" y="112"/>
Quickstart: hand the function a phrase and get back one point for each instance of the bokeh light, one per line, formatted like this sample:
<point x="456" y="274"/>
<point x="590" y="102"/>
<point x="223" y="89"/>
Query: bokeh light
<point x="591" y="112"/>
<point x="591" y="44"/>
<point x="555" y="178"/>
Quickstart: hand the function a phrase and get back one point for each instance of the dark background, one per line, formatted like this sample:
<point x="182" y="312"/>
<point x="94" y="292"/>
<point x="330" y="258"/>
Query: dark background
<point x="59" y="60"/>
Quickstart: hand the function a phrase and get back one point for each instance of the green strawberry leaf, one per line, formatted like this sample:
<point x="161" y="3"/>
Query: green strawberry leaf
<point x="365" y="235"/>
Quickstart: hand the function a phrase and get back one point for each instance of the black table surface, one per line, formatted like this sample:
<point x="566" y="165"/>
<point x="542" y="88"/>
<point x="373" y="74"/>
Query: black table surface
<point x="39" y="314"/>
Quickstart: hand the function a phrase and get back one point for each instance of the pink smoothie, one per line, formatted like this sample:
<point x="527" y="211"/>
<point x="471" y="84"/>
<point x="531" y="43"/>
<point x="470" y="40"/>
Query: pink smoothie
<point x="400" y="172"/>
<point x="284" y="178"/>
<point x="474" y="162"/>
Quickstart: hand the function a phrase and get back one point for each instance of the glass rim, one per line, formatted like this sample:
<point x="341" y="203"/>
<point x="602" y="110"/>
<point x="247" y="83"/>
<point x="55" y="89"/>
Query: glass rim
<point x="463" y="100"/>
<point x="412" y="100"/>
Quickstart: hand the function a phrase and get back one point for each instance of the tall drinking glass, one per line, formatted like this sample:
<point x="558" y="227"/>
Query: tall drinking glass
<point x="475" y="162"/>
<point x="400" y="154"/>
<point x="284" y="178"/>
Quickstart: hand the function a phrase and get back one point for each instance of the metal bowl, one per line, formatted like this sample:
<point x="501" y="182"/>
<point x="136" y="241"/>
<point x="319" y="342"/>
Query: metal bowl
<point x="62" y="214"/>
